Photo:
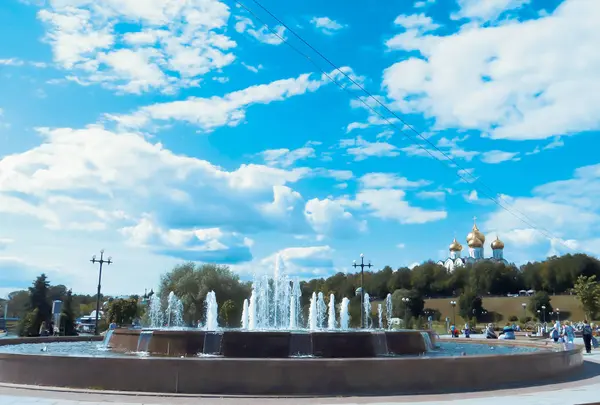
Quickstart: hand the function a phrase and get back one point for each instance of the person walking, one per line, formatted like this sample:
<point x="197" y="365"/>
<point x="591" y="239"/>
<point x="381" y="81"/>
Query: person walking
<point x="587" y="336"/>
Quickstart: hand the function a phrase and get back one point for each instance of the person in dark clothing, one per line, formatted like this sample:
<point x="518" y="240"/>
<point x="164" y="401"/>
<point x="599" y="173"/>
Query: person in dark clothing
<point x="587" y="336"/>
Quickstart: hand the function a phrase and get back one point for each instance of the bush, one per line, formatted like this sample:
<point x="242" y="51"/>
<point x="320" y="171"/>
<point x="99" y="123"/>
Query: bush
<point x="27" y="325"/>
<point x="513" y="318"/>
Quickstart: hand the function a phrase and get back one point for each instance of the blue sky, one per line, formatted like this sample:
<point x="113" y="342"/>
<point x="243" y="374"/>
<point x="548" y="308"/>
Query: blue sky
<point x="175" y="131"/>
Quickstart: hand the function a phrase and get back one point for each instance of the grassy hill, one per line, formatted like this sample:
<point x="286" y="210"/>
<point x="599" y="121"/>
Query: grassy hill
<point x="500" y="309"/>
<point x="505" y="307"/>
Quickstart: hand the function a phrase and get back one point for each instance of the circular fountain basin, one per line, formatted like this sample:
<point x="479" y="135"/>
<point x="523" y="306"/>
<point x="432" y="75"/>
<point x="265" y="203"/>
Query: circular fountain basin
<point x="459" y="365"/>
<point x="272" y="344"/>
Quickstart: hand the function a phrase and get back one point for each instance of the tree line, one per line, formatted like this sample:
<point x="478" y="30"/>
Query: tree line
<point x="469" y="284"/>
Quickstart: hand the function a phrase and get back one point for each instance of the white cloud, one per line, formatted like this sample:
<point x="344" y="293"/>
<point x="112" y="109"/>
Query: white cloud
<point x="514" y="81"/>
<point x="328" y="217"/>
<point x="214" y="112"/>
<point x="433" y="195"/>
<point x="96" y="179"/>
<point x="400" y="245"/>
<point x="488" y="10"/>
<point x="209" y="245"/>
<point x="361" y="149"/>
<point x="179" y="43"/>
<point x="389" y="180"/>
<point x="498" y="156"/>
<point x="566" y="210"/>
<point x="285" y="157"/>
<point x="303" y="262"/>
<point x="423" y="3"/>
<point x="391" y="204"/>
<point x="262" y="34"/>
<point x="4" y="242"/>
<point x="472" y="196"/>
<point x="254" y="69"/>
<point x="18" y="274"/>
<point x="418" y="22"/>
<point x="326" y="25"/>
<point x="11" y="62"/>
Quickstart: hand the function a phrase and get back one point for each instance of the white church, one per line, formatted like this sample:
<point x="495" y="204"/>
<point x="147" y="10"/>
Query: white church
<point x="475" y="241"/>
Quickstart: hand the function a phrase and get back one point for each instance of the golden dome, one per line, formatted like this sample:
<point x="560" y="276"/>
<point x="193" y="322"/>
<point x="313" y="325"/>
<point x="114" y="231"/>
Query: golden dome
<point x="475" y="233"/>
<point x="497" y="244"/>
<point x="475" y="243"/>
<point x="455" y="246"/>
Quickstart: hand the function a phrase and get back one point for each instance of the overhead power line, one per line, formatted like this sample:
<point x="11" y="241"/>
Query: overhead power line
<point x="488" y="192"/>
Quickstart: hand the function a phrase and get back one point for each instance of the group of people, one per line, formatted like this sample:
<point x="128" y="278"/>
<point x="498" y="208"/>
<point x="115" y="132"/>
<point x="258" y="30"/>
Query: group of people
<point x="564" y="333"/>
<point x="507" y="332"/>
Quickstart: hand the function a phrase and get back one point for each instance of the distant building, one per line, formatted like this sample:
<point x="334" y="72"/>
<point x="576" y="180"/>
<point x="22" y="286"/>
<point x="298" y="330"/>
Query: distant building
<point x="475" y="241"/>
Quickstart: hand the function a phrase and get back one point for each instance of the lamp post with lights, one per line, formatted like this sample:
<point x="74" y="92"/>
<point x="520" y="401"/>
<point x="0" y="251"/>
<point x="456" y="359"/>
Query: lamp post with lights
<point x="101" y="261"/>
<point x="362" y="266"/>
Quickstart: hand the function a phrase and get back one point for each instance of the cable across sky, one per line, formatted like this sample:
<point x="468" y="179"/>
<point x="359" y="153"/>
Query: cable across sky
<point x="412" y="134"/>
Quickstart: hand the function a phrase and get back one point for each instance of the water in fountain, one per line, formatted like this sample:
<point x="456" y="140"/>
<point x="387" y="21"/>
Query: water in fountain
<point x="427" y="340"/>
<point x="245" y="315"/>
<point x="174" y="311"/>
<point x="144" y="341"/>
<point x="344" y="314"/>
<point x="252" y="310"/>
<point x="281" y="296"/>
<point x="212" y="312"/>
<point x="155" y="313"/>
<point x="296" y="318"/>
<point x="321" y="311"/>
<point x="380" y="315"/>
<point x="106" y="341"/>
<point x="331" y="317"/>
<point x="388" y="310"/>
<point x="312" y="312"/>
<point x="367" y="310"/>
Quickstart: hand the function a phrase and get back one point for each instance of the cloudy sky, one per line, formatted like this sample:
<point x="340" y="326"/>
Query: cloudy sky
<point x="181" y="130"/>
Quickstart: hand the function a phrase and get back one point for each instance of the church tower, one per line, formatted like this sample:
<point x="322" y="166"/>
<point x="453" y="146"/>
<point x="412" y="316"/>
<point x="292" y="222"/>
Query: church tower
<point x="455" y="249"/>
<point x="497" y="249"/>
<point x="475" y="240"/>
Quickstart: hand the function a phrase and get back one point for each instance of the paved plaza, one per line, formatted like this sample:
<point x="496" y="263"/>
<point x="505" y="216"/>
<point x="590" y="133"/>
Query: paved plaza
<point x="585" y="389"/>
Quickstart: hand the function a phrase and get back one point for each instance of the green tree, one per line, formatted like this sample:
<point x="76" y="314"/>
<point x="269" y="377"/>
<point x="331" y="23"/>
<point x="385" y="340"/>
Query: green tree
<point x="192" y="283"/>
<point x="226" y="313"/>
<point x="470" y="305"/>
<point x="39" y="305"/>
<point x="412" y="308"/>
<point x="68" y="316"/>
<point x="540" y="301"/>
<point x="587" y="291"/>
<point x="123" y="311"/>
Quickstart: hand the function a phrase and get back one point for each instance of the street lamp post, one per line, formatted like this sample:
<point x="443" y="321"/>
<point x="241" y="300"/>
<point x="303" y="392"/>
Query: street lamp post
<point x="453" y="303"/>
<point x="405" y="300"/>
<point x="362" y="266"/>
<point x="558" y="314"/>
<point x="101" y="261"/>
<point x="544" y="313"/>
<point x="524" y="311"/>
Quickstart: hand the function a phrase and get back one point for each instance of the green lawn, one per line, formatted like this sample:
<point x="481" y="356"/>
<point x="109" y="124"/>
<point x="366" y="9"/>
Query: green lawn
<point x="505" y="307"/>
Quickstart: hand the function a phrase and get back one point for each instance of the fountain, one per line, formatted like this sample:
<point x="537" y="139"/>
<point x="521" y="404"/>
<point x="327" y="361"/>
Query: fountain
<point x="321" y="311"/>
<point x="245" y="315"/>
<point x="174" y="311"/>
<point x="331" y="315"/>
<point x="344" y="314"/>
<point x="388" y="310"/>
<point x="155" y="313"/>
<point x="312" y="312"/>
<point x="367" y="310"/>
<point x="212" y="312"/>
<point x="276" y="353"/>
